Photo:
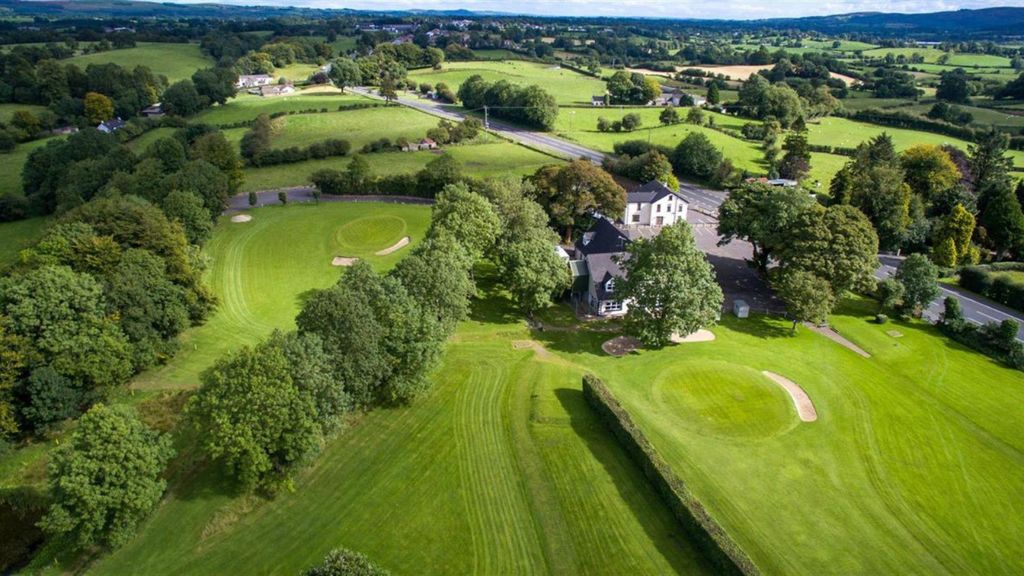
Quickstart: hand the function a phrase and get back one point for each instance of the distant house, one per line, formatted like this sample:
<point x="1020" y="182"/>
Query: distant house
<point x="253" y="80"/>
<point x="276" y="90"/>
<point x="154" y="111"/>
<point x="773" y="181"/>
<point x="64" y="130"/>
<point x="111" y="125"/>
<point x="601" y="100"/>
<point x="427" y="144"/>
<point x="675" y="97"/>
<point x="654" y="204"/>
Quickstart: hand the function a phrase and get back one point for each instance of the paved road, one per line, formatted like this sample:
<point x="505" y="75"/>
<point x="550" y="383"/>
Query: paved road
<point x="975" y="309"/>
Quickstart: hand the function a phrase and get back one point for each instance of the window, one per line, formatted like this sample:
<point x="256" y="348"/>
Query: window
<point x="659" y="208"/>
<point x="636" y="217"/>
<point x="611" y="306"/>
<point x="609" y="286"/>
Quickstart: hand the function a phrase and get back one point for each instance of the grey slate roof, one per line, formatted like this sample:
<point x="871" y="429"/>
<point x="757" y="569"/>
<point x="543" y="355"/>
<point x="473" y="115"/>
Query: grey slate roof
<point x="603" y="238"/>
<point x="602" y="268"/>
<point x="651" y="192"/>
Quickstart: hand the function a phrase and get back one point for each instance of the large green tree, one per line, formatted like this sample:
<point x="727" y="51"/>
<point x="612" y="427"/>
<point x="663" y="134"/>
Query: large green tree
<point x="572" y="193"/>
<point x="342" y="562"/>
<point x="808" y="298"/>
<point x="467" y="217"/>
<point x="762" y="215"/>
<point x="669" y="285"/>
<point x="920" y="280"/>
<point x="105" y="479"/>
<point x="249" y="414"/>
<point x="696" y="156"/>
<point x="837" y="244"/>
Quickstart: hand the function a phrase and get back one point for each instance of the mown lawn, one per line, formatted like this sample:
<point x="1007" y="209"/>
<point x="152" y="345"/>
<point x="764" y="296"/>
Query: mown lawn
<point x="501" y="468"/>
<point x="176" y="61"/>
<point x="7" y="110"/>
<point x="566" y="86"/>
<point x="479" y="160"/>
<point x="12" y="162"/>
<point x="261" y="269"/>
<point x="914" y="466"/>
<point x="357" y="126"/>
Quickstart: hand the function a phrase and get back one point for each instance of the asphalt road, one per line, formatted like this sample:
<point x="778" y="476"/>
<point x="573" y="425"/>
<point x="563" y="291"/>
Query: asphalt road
<point x="975" y="309"/>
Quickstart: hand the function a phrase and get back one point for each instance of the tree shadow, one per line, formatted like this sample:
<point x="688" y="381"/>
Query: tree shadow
<point x="759" y="326"/>
<point x="627" y="477"/>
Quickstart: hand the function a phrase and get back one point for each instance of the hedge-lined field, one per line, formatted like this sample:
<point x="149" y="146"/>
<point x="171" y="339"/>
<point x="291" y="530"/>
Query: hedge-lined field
<point x="567" y="86"/>
<point x="913" y="466"/>
<point x="18" y="235"/>
<point x="478" y="160"/>
<point x="246" y="107"/>
<point x="176" y="61"/>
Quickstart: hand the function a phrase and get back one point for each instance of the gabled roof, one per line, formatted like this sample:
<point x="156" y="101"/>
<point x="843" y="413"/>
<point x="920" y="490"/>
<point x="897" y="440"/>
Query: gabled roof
<point x="603" y="238"/>
<point x="603" y="268"/>
<point x="651" y="192"/>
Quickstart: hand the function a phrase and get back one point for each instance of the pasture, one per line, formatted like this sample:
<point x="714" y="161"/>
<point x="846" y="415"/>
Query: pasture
<point x="478" y="160"/>
<point x="260" y="270"/>
<point x="12" y="162"/>
<point x="566" y="86"/>
<point x="17" y="235"/>
<point x="913" y="466"/>
<point x="500" y="468"/>
<point x="176" y="61"/>
<point x="247" y="107"/>
<point x="848" y="133"/>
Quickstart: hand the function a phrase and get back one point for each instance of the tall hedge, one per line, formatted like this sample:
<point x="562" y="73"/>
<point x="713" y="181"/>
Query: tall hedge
<point x="713" y="541"/>
<point x="987" y="281"/>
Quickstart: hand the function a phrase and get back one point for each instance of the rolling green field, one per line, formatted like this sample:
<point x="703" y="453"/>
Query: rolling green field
<point x="260" y="269"/>
<point x="246" y="106"/>
<point x="7" y="110"/>
<point x="15" y="236"/>
<point x="566" y="86"/>
<point x="357" y="126"/>
<point x="501" y="468"/>
<point x="478" y="160"/>
<point x="12" y="162"/>
<point x="176" y="61"/>
<point x="848" y="133"/>
<point x="580" y="125"/>
<point x="914" y="466"/>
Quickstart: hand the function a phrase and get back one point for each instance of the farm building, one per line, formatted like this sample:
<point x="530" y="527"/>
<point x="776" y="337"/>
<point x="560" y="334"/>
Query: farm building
<point x="154" y="111"/>
<point x="601" y="100"/>
<point x="253" y="80"/>
<point x="111" y="125"/>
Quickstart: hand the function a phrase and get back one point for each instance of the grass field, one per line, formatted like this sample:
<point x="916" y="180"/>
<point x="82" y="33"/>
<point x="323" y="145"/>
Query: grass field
<point x="566" y="86"/>
<point x="12" y="162"/>
<point x="478" y="160"/>
<point x="246" y="106"/>
<point x="7" y="110"/>
<point x="260" y="269"/>
<point x="501" y="468"/>
<point x="176" y="61"/>
<point x="848" y="133"/>
<point x="914" y="466"/>
<point x="357" y="126"/>
<point x="580" y="125"/>
<point x="14" y="236"/>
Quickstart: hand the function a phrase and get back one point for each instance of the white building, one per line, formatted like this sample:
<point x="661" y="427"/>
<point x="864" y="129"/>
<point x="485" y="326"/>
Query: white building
<point x="253" y="80"/>
<point x="654" y="204"/>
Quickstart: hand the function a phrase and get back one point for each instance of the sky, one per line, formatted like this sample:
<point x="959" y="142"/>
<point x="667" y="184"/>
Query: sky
<point x="717" y="9"/>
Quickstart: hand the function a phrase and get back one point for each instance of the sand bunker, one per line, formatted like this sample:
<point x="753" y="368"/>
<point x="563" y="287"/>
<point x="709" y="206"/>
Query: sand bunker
<point x="804" y="406"/>
<point x="394" y="247"/>
<point x="701" y="335"/>
<point x="239" y="218"/>
<point x="620" y="345"/>
<point x="343" y="261"/>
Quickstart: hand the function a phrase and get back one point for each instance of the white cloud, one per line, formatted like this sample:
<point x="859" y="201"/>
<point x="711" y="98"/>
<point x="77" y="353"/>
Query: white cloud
<point x="726" y="9"/>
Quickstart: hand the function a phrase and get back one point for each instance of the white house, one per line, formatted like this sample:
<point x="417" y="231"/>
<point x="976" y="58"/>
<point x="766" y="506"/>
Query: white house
<point x="276" y="90"/>
<point x="111" y="125"/>
<point x="253" y="80"/>
<point x="654" y="204"/>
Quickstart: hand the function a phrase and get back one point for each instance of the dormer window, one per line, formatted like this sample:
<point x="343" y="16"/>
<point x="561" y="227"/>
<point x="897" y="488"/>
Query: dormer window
<point x="587" y="237"/>
<point x="609" y="286"/>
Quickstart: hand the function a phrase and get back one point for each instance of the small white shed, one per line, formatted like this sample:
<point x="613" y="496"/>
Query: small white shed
<point x="741" y="309"/>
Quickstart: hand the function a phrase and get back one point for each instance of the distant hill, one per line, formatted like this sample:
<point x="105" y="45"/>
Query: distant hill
<point x="1006" y="21"/>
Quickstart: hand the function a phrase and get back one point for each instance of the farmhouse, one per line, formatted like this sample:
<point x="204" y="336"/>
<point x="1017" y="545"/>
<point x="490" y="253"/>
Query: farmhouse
<point x="276" y="90"/>
<point x="654" y="204"/>
<point x="111" y="125"/>
<point x="253" y="80"/>
<point x="601" y="100"/>
<point x="154" y="111"/>
<point x="596" y="266"/>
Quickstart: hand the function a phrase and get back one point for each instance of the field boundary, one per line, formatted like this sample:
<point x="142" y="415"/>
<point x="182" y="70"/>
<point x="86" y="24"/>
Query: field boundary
<point x="708" y="535"/>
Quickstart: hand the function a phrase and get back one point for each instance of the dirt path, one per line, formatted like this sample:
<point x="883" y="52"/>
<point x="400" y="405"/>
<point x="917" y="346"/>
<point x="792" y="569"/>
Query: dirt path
<point x="394" y="247"/>
<point x="620" y="345"/>
<point x="343" y="261"/>
<point x="838" y="339"/>
<point x="701" y="335"/>
<point x="804" y="406"/>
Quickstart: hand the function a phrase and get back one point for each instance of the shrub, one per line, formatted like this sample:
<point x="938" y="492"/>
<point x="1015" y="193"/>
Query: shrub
<point x="342" y="562"/>
<point x="881" y="319"/>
